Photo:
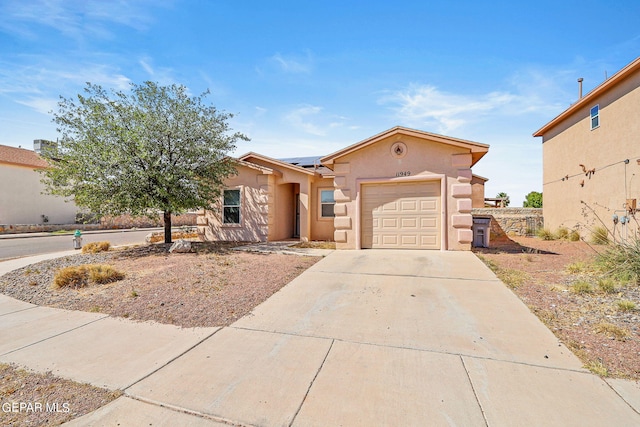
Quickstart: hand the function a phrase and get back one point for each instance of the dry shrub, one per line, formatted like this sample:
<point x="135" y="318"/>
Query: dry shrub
<point x="626" y="305"/>
<point x="95" y="247"/>
<point x="621" y="261"/>
<point x="545" y="234"/>
<point x="81" y="275"/>
<point x="103" y="273"/>
<point x="582" y="287"/>
<point x="611" y="330"/>
<point x="600" y="236"/>
<point x="562" y="233"/>
<point x="71" y="277"/>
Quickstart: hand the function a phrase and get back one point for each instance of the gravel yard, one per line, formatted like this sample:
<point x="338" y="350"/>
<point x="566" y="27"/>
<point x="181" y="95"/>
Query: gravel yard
<point x="544" y="274"/>
<point x="212" y="287"/>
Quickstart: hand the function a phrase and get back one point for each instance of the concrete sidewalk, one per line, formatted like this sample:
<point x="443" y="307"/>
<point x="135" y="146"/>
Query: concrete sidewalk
<point x="361" y="338"/>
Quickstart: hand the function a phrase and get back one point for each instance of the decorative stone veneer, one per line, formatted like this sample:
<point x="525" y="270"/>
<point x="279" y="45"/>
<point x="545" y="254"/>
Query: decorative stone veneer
<point x="342" y="196"/>
<point x="512" y="221"/>
<point x="462" y="220"/>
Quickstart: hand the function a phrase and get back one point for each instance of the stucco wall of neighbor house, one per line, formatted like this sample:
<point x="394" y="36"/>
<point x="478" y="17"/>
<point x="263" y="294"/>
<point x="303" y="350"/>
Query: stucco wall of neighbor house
<point x="255" y="189"/>
<point x="321" y="228"/>
<point x="572" y="143"/>
<point x="477" y="192"/>
<point x="424" y="160"/>
<point x="22" y="200"/>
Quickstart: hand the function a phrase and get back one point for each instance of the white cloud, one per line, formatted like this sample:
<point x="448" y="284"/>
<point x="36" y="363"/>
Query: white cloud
<point x="421" y="105"/>
<point x="293" y="64"/>
<point x="39" y="86"/>
<point x="529" y="91"/>
<point x="41" y="105"/>
<point x="300" y="118"/>
<point x="162" y="75"/>
<point x="75" y="18"/>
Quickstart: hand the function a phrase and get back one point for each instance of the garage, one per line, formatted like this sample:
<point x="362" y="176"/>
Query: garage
<point x="401" y="215"/>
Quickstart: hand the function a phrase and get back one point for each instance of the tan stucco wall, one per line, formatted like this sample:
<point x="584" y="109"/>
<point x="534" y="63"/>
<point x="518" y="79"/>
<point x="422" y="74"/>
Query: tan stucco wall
<point x="424" y="160"/>
<point x="22" y="201"/>
<point x="477" y="192"/>
<point x="303" y="181"/>
<point x="254" y="210"/>
<point x="605" y="148"/>
<point x="284" y="211"/>
<point x="321" y="228"/>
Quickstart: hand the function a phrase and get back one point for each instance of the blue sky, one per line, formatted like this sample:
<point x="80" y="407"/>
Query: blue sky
<point x="308" y="78"/>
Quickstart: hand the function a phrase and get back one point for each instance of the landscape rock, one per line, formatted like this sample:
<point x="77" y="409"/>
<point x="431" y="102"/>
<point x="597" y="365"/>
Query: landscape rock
<point x="180" y="247"/>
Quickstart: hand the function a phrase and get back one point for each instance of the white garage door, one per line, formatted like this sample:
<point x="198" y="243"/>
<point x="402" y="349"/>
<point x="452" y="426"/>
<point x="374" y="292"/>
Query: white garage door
<point x="401" y="215"/>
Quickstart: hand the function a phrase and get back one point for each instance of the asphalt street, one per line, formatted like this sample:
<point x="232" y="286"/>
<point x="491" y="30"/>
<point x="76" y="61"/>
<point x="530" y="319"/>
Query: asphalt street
<point x="26" y="245"/>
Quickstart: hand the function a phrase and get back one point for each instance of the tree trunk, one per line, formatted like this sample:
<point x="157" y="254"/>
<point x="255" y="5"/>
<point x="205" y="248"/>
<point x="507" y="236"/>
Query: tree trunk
<point x="167" y="226"/>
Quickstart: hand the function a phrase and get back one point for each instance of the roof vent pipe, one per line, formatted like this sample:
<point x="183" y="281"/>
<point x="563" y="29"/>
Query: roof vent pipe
<point x="580" y="88"/>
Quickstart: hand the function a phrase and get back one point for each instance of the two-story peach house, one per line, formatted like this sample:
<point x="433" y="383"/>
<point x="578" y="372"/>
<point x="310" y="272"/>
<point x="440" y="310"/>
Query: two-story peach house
<point x="402" y="188"/>
<point x="591" y="158"/>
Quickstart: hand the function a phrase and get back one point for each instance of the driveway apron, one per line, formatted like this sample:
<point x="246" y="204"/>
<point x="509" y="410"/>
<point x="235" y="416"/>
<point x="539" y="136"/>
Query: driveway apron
<point x="387" y="338"/>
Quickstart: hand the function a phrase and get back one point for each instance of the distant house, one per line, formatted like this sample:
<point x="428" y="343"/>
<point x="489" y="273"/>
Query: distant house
<point x="591" y="157"/>
<point x="21" y="193"/>
<point x="400" y="189"/>
<point x="477" y="190"/>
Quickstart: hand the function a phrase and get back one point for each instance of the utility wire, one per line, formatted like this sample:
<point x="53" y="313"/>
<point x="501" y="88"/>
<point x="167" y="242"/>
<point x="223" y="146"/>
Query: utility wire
<point x="599" y="168"/>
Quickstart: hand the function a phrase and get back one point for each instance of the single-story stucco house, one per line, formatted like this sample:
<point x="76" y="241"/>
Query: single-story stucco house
<point x="403" y="188"/>
<point x="22" y="197"/>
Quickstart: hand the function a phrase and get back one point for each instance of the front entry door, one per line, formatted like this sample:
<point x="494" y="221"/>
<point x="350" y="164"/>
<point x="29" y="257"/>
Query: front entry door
<point x="296" y="227"/>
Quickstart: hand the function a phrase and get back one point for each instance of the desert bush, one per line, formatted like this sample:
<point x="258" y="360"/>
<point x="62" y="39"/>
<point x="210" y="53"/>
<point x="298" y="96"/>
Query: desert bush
<point x="600" y="236"/>
<point x="611" y="330"/>
<point x="95" y="247"/>
<point x="81" y="275"/>
<point x="103" y="273"/>
<point x="576" y="267"/>
<point x="597" y="368"/>
<point x="607" y="285"/>
<point x="621" y="262"/>
<point x="71" y="277"/>
<point x="582" y="287"/>
<point x="562" y="233"/>
<point x="626" y="305"/>
<point x="545" y="234"/>
<point x="574" y="236"/>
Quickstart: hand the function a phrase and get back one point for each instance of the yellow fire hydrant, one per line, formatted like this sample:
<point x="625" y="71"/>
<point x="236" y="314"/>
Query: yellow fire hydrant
<point x="77" y="240"/>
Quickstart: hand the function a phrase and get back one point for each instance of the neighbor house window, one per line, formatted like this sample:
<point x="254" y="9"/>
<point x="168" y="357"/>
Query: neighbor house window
<point x="595" y="117"/>
<point x="231" y="207"/>
<point x="327" y="202"/>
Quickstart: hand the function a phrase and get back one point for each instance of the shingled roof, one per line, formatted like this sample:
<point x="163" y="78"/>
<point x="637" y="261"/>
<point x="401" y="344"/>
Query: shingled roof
<point x="21" y="157"/>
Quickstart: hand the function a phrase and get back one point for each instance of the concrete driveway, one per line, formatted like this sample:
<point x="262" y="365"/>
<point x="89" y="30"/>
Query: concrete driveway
<point x="362" y="338"/>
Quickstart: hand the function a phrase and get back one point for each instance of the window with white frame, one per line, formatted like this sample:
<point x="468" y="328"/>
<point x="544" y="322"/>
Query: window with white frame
<point x="327" y="202"/>
<point x="231" y="207"/>
<point x="595" y="117"/>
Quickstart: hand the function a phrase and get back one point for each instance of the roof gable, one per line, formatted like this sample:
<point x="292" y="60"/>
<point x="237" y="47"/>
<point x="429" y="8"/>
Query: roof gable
<point x="21" y="157"/>
<point x="603" y="88"/>
<point x="275" y="162"/>
<point x="477" y="149"/>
